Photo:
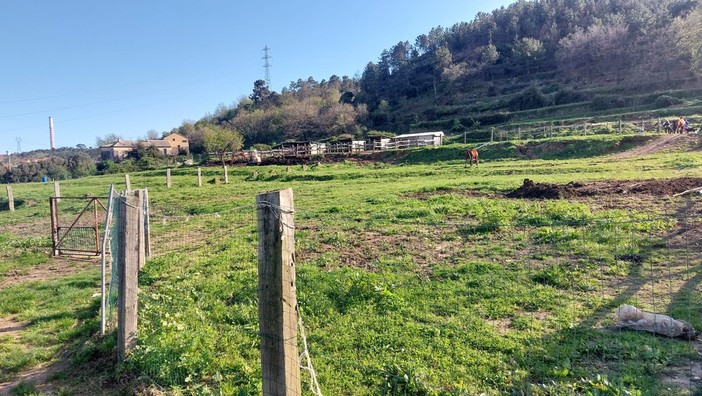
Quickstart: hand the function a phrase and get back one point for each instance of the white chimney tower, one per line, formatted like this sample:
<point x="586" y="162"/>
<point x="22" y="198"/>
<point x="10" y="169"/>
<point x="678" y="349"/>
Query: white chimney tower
<point x="51" y="133"/>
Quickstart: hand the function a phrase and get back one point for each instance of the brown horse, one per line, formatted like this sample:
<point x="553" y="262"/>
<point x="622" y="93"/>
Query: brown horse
<point x="680" y="126"/>
<point x="472" y="156"/>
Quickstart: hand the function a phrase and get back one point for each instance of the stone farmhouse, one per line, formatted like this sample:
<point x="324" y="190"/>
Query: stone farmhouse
<point x="171" y="145"/>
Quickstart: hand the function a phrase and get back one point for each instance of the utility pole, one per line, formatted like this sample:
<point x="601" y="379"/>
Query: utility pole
<point x="19" y="144"/>
<point x="267" y="65"/>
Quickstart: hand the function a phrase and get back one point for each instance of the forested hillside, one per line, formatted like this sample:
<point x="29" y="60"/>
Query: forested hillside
<point x="531" y="60"/>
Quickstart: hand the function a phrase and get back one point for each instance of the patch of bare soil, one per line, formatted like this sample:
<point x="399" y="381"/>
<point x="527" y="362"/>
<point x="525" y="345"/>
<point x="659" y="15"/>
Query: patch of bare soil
<point x="58" y="267"/>
<point x="10" y="327"/>
<point x="40" y="376"/>
<point x="35" y="229"/>
<point x="669" y="143"/>
<point x="687" y="376"/>
<point x="367" y="248"/>
<point x="652" y="187"/>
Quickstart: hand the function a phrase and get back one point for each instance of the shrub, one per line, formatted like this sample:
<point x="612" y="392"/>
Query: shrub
<point x="608" y="102"/>
<point x="569" y="96"/>
<point x="667" y="101"/>
<point x="530" y="98"/>
<point x="496" y="118"/>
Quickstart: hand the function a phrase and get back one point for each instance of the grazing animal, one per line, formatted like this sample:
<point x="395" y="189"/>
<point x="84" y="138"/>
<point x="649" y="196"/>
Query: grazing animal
<point x="680" y="125"/>
<point x="472" y="156"/>
<point x="668" y="126"/>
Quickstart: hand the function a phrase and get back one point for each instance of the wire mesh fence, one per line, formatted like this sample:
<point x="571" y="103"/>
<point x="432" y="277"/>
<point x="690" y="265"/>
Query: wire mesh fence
<point x="536" y="299"/>
<point x="562" y="129"/>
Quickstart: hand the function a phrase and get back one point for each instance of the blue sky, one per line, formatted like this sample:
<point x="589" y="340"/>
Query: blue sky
<point x="127" y="67"/>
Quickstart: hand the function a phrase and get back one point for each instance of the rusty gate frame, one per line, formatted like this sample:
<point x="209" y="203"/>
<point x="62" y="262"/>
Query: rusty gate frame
<point x="56" y="227"/>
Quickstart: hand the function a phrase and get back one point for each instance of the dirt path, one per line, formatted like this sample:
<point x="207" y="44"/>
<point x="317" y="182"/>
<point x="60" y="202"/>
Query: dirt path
<point x="58" y="267"/>
<point x="675" y="142"/>
<point x="38" y="375"/>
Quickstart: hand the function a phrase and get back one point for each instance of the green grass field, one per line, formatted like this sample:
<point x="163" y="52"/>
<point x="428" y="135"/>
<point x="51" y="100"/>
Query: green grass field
<point x="415" y="277"/>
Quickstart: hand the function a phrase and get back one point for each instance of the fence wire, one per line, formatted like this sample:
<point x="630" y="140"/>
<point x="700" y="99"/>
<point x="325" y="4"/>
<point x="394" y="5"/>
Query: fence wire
<point x="548" y="290"/>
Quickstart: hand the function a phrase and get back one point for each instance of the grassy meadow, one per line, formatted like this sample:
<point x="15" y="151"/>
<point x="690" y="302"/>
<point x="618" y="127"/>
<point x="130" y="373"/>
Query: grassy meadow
<point x="415" y="276"/>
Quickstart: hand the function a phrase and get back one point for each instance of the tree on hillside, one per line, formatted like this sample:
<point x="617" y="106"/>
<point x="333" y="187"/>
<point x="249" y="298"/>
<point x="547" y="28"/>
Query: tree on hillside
<point x="442" y="61"/>
<point x="107" y="139"/>
<point x="689" y="32"/>
<point x="527" y="50"/>
<point x="488" y="57"/>
<point x="220" y="140"/>
<point x="261" y="93"/>
<point x="602" y="50"/>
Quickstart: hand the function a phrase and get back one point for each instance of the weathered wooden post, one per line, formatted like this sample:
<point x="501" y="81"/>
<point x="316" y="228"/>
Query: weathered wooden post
<point x="519" y="133"/>
<point x="127" y="183"/>
<point x="57" y="191"/>
<point x="168" y="177"/>
<point x="620" y="126"/>
<point x="10" y="198"/>
<point x="128" y="270"/>
<point x="277" y="300"/>
<point x="199" y="177"/>
<point x="226" y="175"/>
<point x="492" y="134"/>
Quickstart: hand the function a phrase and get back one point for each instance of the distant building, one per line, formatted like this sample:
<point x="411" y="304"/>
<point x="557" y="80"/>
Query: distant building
<point x="417" y="139"/>
<point x="170" y="145"/>
<point x="116" y="151"/>
<point x="179" y="144"/>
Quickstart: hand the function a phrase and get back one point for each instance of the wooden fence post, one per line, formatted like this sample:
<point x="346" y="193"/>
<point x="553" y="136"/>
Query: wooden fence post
<point x="620" y="126"/>
<point x="128" y="270"/>
<point x="199" y="177"/>
<point x="277" y="300"/>
<point x="492" y="134"/>
<point x="127" y="182"/>
<point x="10" y="198"/>
<point x="57" y="191"/>
<point x="168" y="177"/>
<point x="226" y="175"/>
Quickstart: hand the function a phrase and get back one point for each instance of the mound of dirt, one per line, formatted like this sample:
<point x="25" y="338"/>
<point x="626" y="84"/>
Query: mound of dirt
<point x="653" y="187"/>
<point x="532" y="190"/>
